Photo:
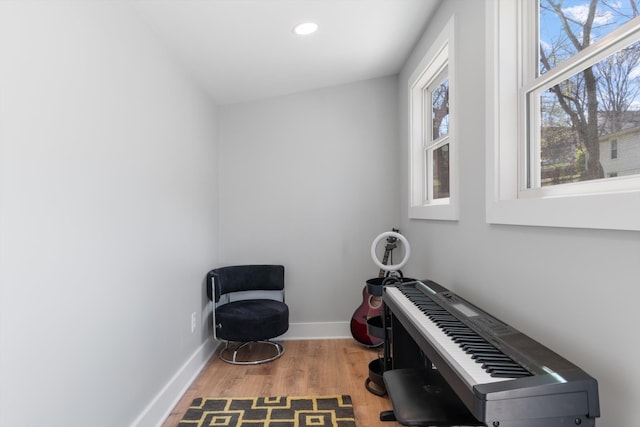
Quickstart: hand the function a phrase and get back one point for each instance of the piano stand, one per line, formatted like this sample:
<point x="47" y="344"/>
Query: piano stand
<point x="420" y="397"/>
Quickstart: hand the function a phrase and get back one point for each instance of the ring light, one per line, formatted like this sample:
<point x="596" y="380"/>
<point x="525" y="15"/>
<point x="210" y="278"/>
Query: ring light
<point x="392" y="267"/>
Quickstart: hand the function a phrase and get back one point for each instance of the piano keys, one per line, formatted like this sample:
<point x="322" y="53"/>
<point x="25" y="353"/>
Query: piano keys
<point x="501" y="376"/>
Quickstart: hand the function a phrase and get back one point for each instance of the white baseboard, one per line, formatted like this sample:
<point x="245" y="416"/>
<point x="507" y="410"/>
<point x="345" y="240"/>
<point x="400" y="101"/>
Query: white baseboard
<point x="160" y="407"/>
<point x="322" y="330"/>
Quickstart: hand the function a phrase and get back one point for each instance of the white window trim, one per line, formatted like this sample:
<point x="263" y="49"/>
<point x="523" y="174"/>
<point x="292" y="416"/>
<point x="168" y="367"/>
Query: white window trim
<point x="440" y="55"/>
<point x="506" y="203"/>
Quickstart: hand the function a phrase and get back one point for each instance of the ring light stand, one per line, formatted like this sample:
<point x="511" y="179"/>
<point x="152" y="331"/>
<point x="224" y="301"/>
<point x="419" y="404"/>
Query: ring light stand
<point x="394" y="275"/>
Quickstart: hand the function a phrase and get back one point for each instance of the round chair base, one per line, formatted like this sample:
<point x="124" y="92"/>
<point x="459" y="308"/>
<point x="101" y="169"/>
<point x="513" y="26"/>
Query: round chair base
<point x="242" y="353"/>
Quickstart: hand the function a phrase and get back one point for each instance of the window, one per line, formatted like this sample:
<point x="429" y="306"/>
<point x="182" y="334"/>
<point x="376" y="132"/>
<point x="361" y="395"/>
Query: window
<point x="432" y="133"/>
<point x="584" y="88"/>
<point x="436" y="144"/>
<point x="614" y="149"/>
<point x="563" y="78"/>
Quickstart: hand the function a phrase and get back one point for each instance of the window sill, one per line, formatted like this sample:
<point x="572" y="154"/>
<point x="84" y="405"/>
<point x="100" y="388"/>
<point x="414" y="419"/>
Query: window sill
<point x="445" y="212"/>
<point x="613" y="211"/>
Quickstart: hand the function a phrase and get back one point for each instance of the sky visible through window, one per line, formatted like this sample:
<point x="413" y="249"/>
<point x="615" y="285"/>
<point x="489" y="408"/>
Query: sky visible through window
<point x="609" y="15"/>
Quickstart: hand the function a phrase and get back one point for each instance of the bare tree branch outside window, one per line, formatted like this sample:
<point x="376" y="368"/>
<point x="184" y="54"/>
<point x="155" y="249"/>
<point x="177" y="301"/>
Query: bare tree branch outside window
<point x="600" y="100"/>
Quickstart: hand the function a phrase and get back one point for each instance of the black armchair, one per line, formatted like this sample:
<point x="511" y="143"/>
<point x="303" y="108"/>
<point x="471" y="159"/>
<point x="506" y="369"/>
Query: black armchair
<point x="249" y="310"/>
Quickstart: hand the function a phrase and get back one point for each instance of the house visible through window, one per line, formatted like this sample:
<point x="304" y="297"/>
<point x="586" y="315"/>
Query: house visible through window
<point x="586" y="88"/>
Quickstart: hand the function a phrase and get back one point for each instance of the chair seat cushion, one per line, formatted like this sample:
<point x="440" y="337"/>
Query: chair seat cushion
<point x="252" y="320"/>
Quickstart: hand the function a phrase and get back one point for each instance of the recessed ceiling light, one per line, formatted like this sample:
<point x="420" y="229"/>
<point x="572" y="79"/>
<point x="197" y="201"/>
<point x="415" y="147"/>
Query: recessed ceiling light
<point x="305" y="28"/>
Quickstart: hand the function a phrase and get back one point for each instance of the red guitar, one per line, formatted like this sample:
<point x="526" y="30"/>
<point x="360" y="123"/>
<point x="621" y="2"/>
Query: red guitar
<point x="371" y="305"/>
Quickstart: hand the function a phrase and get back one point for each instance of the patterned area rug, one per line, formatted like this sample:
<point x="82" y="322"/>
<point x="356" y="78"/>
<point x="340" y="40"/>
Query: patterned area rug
<point x="308" y="411"/>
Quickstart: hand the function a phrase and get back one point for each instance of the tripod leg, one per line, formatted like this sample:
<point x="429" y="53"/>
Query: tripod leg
<point x="387" y="416"/>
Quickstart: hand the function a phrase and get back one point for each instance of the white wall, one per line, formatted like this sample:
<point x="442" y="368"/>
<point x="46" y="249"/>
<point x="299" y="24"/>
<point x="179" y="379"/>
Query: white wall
<point x="574" y="290"/>
<point x="108" y="218"/>
<point x="309" y="180"/>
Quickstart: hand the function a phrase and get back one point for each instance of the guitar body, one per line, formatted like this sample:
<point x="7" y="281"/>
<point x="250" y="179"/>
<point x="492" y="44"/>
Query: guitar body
<point x="371" y="306"/>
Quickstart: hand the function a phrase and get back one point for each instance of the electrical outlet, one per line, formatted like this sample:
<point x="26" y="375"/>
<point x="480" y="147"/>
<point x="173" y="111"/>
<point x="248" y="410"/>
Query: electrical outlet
<point x="193" y="322"/>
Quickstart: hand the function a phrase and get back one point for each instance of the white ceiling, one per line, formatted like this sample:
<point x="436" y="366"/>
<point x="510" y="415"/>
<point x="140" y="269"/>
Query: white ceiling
<point x="242" y="50"/>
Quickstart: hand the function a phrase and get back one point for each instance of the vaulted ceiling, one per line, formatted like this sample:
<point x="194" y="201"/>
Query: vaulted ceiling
<point x="242" y="50"/>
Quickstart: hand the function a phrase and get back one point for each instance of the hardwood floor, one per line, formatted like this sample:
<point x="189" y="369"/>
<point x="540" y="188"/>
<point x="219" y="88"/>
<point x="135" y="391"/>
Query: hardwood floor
<point x="308" y="367"/>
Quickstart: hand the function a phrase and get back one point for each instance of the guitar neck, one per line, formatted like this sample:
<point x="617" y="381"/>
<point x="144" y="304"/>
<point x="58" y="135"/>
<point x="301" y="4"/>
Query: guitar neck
<point x="385" y="259"/>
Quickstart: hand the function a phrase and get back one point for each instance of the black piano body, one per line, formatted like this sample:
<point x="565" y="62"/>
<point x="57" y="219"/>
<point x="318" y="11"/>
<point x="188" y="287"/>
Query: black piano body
<point x="421" y="375"/>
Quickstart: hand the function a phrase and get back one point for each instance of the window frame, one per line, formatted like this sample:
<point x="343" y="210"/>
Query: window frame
<point x="610" y="203"/>
<point x="435" y="67"/>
